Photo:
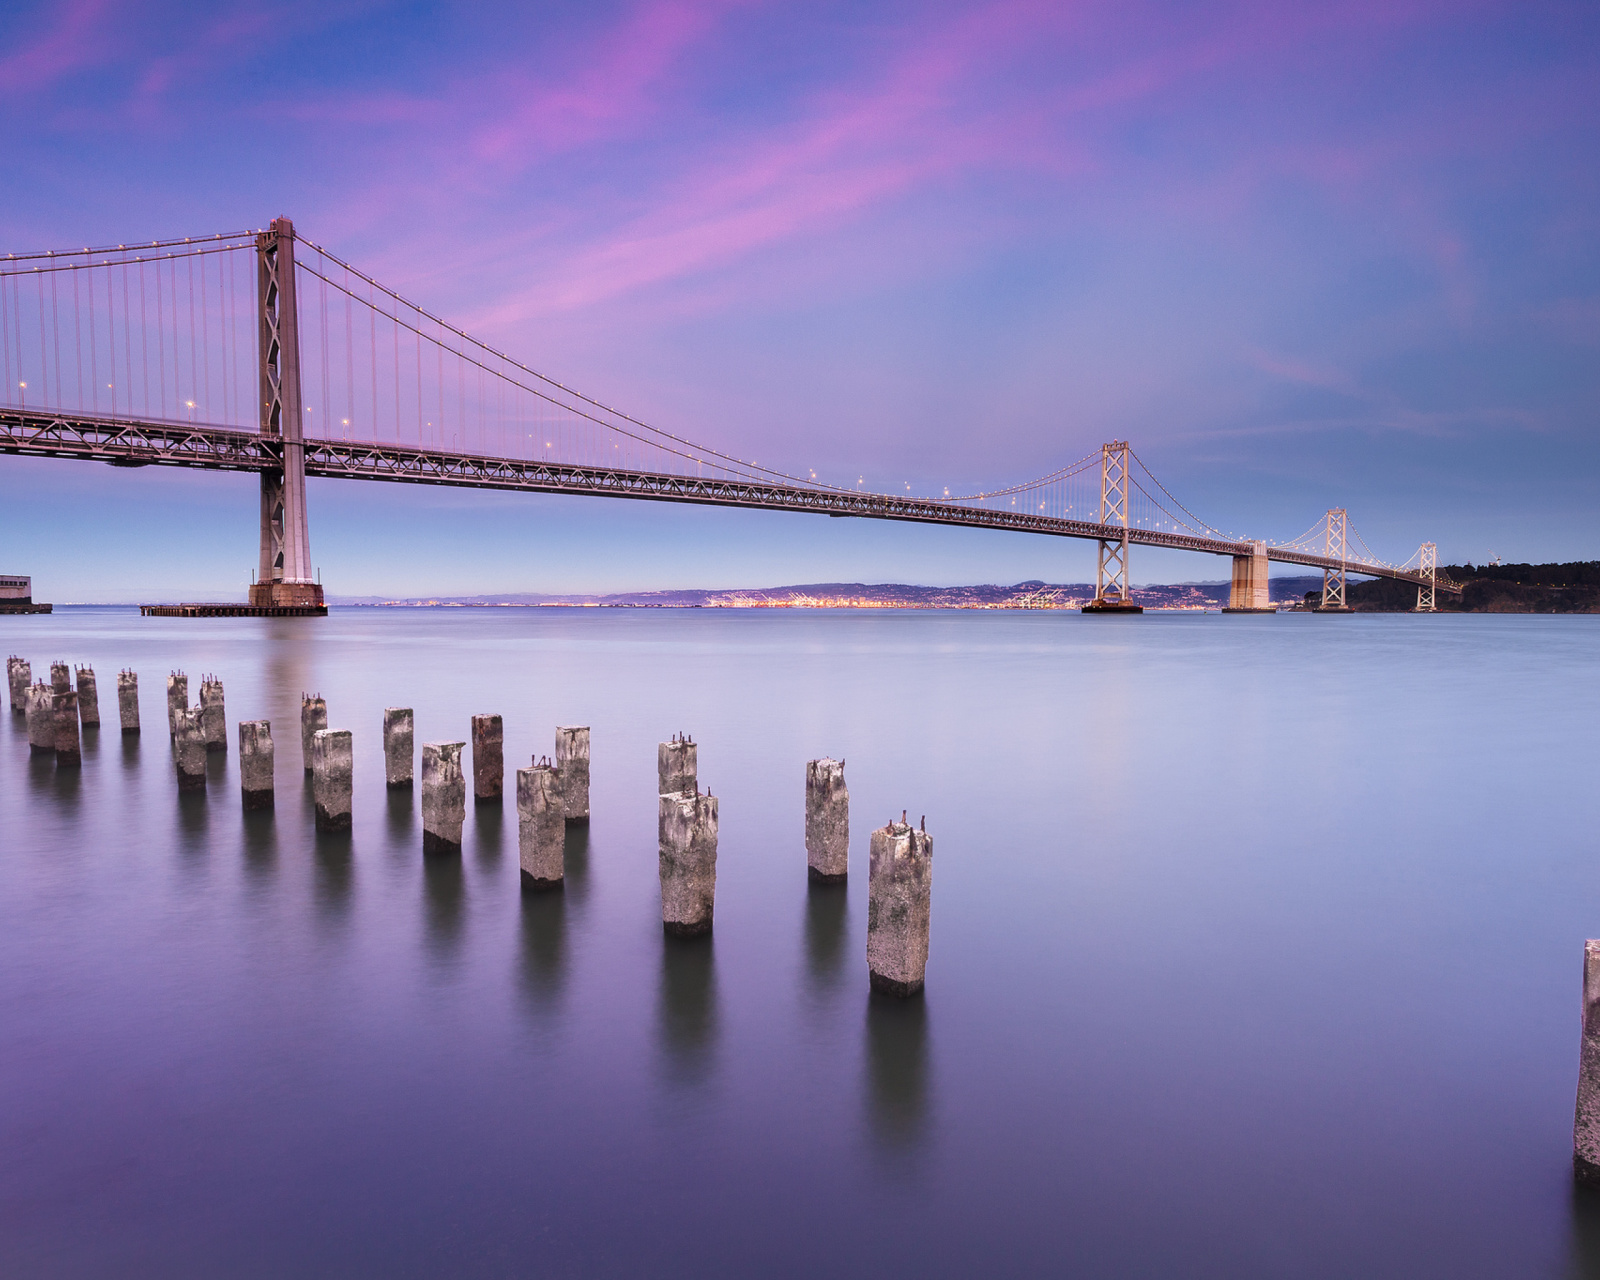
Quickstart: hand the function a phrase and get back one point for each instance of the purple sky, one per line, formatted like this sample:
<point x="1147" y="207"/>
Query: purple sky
<point x="1301" y="256"/>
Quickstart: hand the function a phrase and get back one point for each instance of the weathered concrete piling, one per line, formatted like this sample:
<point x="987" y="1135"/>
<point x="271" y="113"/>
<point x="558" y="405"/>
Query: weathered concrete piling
<point x="213" y="715"/>
<point x="677" y="768"/>
<point x="88" y="699"/>
<point x="541" y="825"/>
<point x="60" y="677"/>
<point x="40" y="709"/>
<point x="399" y="747"/>
<point x="177" y="699"/>
<point x="1586" y="1121"/>
<point x="827" y="821"/>
<point x="256" y="758"/>
<point x="128" y="701"/>
<point x="572" y="760"/>
<point x="488" y="759"/>
<point x="68" y="751"/>
<point x="331" y="766"/>
<point x="900" y="879"/>
<point x="688" y="862"/>
<point x="444" y="797"/>
<point x="189" y="741"/>
<point x="313" y="716"/>
<point x="19" y="676"/>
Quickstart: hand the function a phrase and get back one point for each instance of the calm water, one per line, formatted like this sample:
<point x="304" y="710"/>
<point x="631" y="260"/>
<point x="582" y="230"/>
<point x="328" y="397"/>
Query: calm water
<point x="1256" y="952"/>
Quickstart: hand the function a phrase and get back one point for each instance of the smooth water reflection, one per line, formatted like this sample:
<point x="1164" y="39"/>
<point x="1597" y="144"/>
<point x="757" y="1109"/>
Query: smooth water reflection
<point x="1254" y="953"/>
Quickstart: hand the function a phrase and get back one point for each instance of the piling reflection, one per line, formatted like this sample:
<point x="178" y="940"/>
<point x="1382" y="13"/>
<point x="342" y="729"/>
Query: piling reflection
<point x="400" y="820"/>
<point x="488" y="831"/>
<point x="1585" y="1246"/>
<point x="444" y="892"/>
<point x="575" y="856"/>
<point x="335" y="872"/>
<point x="896" y="1095"/>
<point x="686" y="1011"/>
<point x="541" y="970"/>
<point x="827" y="930"/>
<point x="130" y="751"/>
<point x="62" y="787"/>
<point x="194" y="820"/>
<point x="260" y="848"/>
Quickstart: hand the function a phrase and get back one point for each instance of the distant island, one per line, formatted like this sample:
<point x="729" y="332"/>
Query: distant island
<point x="1490" y="588"/>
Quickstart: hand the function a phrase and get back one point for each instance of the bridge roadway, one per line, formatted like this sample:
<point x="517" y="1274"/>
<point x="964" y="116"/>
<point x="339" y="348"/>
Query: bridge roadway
<point x="135" y="442"/>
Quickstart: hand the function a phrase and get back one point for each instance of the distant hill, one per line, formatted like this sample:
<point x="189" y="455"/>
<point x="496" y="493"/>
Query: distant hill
<point x="1495" y="588"/>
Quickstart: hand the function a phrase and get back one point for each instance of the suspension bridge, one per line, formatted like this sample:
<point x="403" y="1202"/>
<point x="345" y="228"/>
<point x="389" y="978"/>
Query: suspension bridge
<point x="262" y="351"/>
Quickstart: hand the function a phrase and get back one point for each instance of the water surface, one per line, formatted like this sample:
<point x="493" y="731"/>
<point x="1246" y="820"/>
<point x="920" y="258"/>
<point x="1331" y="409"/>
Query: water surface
<point x="1256" y="951"/>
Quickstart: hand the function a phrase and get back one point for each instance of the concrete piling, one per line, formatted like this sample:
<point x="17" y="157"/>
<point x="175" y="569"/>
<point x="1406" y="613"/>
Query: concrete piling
<point x="213" y="714"/>
<point x="128" y="701"/>
<point x="332" y="757"/>
<point x="488" y="759"/>
<point x="399" y="747"/>
<point x="60" y="677"/>
<point x="69" y="752"/>
<point x="688" y="862"/>
<point x="177" y="699"/>
<point x="541" y="825"/>
<point x="88" y="699"/>
<point x="444" y="797"/>
<point x="827" y="821"/>
<point x="677" y="768"/>
<point x="40" y="709"/>
<point x="256" y="758"/>
<point x="900" y="878"/>
<point x="1586" y="1120"/>
<point x="572" y="761"/>
<point x="19" y="676"/>
<point x="313" y="716"/>
<point x="189" y="740"/>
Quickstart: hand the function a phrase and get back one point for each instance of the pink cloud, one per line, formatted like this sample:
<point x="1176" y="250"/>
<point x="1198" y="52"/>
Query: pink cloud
<point x="79" y="38"/>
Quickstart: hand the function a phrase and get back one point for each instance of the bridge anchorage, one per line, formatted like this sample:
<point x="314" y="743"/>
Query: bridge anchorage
<point x="166" y="353"/>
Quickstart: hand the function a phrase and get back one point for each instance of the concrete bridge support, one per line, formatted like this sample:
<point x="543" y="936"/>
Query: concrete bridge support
<point x="284" y="575"/>
<point x="177" y="699"/>
<point x="827" y="821"/>
<point x="444" y="797"/>
<point x="688" y="862"/>
<point x="128" y="702"/>
<point x="256" y="759"/>
<point x="399" y="748"/>
<point x="1249" y="593"/>
<point x="213" y="714"/>
<point x="41" y="713"/>
<point x="488" y="759"/>
<point x="69" y="750"/>
<point x="313" y="716"/>
<point x="1586" y="1120"/>
<point x="189" y="739"/>
<point x="88" y="699"/>
<point x="541" y="826"/>
<point x="19" y="676"/>
<point x="332" y="768"/>
<point x="572" y="759"/>
<point x="899" y="907"/>
<point x="677" y="765"/>
<point x="60" y="677"/>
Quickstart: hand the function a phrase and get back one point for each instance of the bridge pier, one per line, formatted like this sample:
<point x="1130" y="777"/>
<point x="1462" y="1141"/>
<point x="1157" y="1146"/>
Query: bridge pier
<point x="899" y="906"/>
<point x="572" y="759"/>
<point x="256" y="758"/>
<point x="827" y="821"/>
<point x="1111" y="594"/>
<point x="541" y="826"/>
<point x="399" y="749"/>
<point x="688" y="861"/>
<point x="1249" y="593"/>
<point x="284" y="576"/>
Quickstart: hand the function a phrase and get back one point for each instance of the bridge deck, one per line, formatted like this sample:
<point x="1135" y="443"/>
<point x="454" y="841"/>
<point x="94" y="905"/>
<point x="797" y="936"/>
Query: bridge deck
<point x="131" y="442"/>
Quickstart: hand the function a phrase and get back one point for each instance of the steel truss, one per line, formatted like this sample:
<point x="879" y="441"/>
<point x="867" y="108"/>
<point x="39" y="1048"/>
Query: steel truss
<point x="132" y="442"/>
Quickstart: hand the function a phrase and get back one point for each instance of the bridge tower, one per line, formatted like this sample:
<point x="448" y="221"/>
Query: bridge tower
<point x="1111" y="593"/>
<point x="1428" y="562"/>
<point x="284" y="577"/>
<point x="1335" y="547"/>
